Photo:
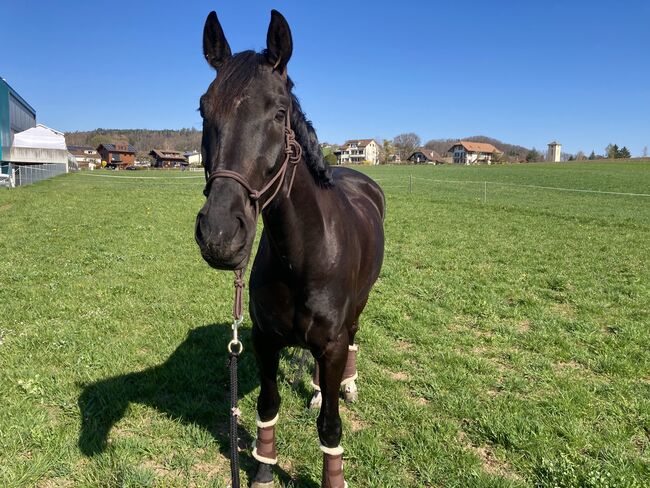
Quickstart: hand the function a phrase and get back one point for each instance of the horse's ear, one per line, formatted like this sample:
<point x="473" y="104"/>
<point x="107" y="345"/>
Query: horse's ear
<point x="279" y="45"/>
<point x="215" y="47"/>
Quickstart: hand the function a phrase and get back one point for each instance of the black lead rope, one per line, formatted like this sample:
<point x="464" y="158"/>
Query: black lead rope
<point x="235" y="347"/>
<point x="234" y="413"/>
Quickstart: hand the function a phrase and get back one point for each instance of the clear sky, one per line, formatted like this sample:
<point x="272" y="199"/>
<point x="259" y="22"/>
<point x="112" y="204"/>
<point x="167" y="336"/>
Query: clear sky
<point x="525" y="72"/>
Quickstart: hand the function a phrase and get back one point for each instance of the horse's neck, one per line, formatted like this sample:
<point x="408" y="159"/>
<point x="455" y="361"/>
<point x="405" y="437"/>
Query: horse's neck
<point x="295" y="217"/>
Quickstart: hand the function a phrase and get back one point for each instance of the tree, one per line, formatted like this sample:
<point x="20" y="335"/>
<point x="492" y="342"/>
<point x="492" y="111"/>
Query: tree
<point x="580" y="156"/>
<point x="386" y="152"/>
<point x="406" y="144"/>
<point x="624" y="153"/>
<point x="592" y="156"/>
<point x="533" y="155"/>
<point x="611" y="151"/>
<point x="645" y="151"/>
<point x="330" y="159"/>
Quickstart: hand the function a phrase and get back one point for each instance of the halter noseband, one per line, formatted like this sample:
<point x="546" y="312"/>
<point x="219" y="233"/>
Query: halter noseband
<point x="293" y="153"/>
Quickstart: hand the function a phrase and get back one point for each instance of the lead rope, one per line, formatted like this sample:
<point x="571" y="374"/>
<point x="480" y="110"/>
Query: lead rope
<point x="235" y="347"/>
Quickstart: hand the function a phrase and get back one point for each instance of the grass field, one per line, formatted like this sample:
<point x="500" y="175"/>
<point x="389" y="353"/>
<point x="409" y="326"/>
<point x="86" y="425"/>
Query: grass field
<point x="506" y="343"/>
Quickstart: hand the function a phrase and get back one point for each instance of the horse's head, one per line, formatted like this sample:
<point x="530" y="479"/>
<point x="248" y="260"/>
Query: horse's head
<point x="244" y="112"/>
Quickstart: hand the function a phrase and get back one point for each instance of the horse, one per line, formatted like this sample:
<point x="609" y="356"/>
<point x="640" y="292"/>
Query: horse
<point x="322" y="243"/>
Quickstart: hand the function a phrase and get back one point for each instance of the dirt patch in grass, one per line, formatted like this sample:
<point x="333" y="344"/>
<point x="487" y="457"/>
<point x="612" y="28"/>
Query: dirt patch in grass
<point x="421" y="401"/>
<point x="399" y="376"/>
<point x="522" y="326"/>
<point x="54" y="483"/>
<point x="403" y="345"/>
<point x="563" y="310"/>
<point x="218" y="467"/>
<point x="5" y="207"/>
<point x="356" y="422"/>
<point x="490" y="463"/>
<point x="157" y="468"/>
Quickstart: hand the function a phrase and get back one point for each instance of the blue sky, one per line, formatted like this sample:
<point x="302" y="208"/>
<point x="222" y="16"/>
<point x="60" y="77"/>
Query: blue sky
<point x="524" y="72"/>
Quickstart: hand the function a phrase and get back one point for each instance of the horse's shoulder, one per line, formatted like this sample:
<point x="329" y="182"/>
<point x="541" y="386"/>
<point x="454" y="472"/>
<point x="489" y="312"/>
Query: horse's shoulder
<point x="355" y="185"/>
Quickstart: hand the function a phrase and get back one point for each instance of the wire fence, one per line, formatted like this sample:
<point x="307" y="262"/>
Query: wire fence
<point x="614" y="207"/>
<point x="31" y="173"/>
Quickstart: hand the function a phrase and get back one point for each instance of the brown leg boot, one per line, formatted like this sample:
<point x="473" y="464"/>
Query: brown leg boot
<point x="333" y="468"/>
<point x="264" y="450"/>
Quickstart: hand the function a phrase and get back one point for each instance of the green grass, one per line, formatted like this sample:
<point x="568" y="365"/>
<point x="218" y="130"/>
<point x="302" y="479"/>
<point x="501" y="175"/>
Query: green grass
<point x="504" y="345"/>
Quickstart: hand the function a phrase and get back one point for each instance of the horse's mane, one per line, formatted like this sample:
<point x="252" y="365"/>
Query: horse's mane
<point x="237" y="73"/>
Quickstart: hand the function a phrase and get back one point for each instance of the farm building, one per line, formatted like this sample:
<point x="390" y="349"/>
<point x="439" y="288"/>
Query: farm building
<point x="38" y="153"/>
<point x="118" y="155"/>
<point x="16" y="115"/>
<point x="554" y="152"/>
<point x="194" y="158"/>
<point x="167" y="159"/>
<point x="467" y="152"/>
<point x="357" y="151"/>
<point x="86" y="156"/>
<point x="425" y="156"/>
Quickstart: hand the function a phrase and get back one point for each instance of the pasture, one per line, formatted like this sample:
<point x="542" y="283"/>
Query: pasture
<point x="504" y="345"/>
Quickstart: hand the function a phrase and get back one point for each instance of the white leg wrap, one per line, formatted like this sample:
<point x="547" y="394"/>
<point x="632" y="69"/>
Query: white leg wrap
<point x="268" y="423"/>
<point x="332" y="451"/>
<point x="263" y="459"/>
<point x="350" y="379"/>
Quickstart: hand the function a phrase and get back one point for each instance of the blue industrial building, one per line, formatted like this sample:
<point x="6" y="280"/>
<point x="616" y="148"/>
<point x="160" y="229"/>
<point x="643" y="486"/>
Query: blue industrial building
<point x="16" y="115"/>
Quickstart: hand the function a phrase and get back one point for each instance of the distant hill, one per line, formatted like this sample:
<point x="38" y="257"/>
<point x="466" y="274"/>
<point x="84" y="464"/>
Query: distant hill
<point x="144" y="140"/>
<point x="511" y="152"/>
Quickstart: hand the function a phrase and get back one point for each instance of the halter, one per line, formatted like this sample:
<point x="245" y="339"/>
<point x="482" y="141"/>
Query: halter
<point x="293" y="153"/>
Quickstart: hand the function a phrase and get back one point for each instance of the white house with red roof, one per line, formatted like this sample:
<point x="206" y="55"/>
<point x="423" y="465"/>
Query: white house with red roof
<point x="467" y="152"/>
<point x="357" y="151"/>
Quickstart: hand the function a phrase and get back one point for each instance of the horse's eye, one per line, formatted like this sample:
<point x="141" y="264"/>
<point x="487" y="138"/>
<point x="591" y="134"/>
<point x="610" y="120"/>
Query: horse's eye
<point x="280" y="115"/>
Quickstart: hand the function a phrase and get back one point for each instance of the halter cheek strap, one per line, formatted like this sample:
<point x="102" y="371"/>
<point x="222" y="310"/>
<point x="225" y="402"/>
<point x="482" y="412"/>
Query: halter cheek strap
<point x="293" y="153"/>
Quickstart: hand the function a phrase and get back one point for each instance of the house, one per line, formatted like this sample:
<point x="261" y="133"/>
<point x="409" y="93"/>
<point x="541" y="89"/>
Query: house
<point x="194" y="158"/>
<point x="163" y="158"/>
<point x="426" y="156"/>
<point x="357" y="151"/>
<point x="118" y="155"/>
<point x="86" y="156"/>
<point x="467" y="152"/>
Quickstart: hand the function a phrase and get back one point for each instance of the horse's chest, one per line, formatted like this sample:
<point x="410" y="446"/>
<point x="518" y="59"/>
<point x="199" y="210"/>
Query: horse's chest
<point x="296" y="313"/>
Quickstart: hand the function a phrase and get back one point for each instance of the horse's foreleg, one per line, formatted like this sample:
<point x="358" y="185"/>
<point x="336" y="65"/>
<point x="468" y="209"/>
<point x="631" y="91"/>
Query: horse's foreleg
<point x="331" y="366"/>
<point x="268" y="405"/>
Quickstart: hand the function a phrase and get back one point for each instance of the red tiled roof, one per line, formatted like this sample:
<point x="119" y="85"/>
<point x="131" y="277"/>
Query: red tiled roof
<point x="358" y="142"/>
<point x="481" y="147"/>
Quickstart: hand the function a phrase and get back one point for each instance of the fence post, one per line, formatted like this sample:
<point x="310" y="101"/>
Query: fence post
<point x="410" y="183"/>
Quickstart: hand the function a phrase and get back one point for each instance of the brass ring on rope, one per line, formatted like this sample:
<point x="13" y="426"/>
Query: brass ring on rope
<point x="237" y="344"/>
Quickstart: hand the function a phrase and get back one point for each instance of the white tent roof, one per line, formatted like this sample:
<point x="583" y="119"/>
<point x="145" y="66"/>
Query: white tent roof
<point x="40" y="137"/>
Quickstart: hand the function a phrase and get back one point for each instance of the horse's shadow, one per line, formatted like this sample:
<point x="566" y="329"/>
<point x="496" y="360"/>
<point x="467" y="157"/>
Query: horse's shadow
<point x="192" y="385"/>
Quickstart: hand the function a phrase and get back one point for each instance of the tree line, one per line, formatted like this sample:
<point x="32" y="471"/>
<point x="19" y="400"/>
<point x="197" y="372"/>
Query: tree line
<point x="400" y="147"/>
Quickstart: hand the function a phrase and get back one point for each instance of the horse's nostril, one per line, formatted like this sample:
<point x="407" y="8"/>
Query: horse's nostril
<point x="241" y="222"/>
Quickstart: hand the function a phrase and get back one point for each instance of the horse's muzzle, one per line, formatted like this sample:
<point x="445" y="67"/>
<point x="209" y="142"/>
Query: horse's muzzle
<point x="225" y="243"/>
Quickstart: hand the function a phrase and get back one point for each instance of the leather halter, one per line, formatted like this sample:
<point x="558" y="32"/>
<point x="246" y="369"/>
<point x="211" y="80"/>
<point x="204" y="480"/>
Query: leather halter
<point x="293" y="153"/>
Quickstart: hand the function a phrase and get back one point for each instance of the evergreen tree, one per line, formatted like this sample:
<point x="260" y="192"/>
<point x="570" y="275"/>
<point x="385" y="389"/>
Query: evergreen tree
<point x="592" y="156"/>
<point x="624" y="153"/>
<point x="533" y="155"/>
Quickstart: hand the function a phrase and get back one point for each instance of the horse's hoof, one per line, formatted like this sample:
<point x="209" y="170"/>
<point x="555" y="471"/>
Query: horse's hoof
<point x="257" y="484"/>
<point x="316" y="401"/>
<point x="350" y="393"/>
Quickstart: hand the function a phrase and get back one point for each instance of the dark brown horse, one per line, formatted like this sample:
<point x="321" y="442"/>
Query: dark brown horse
<point x="322" y="245"/>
